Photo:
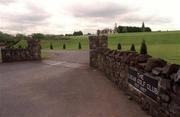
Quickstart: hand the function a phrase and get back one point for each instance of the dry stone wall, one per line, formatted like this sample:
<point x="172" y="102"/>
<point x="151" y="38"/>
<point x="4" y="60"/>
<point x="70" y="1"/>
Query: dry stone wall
<point x="32" y="52"/>
<point x="152" y="82"/>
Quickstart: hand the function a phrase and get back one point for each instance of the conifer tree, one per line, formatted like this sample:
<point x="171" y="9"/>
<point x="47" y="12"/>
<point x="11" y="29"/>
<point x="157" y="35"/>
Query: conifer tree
<point x="119" y="46"/>
<point x="133" y="48"/>
<point x="143" y="49"/>
<point x="79" y="45"/>
<point x="51" y="46"/>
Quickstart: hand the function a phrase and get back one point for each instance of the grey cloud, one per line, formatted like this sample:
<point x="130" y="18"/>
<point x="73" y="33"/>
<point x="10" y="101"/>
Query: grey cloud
<point x="34" y="18"/>
<point x="103" y="10"/>
<point x="107" y="13"/>
<point x="35" y="15"/>
<point x="153" y="19"/>
<point x="5" y="2"/>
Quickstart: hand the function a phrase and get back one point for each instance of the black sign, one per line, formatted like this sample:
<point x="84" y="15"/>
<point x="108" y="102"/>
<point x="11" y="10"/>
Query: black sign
<point x="144" y="83"/>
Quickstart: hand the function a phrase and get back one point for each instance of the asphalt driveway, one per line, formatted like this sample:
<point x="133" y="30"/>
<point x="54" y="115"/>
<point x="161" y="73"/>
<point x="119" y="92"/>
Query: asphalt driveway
<point x="63" y="86"/>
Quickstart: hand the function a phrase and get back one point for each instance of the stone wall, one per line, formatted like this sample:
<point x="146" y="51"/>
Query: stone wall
<point x="152" y="82"/>
<point x="32" y="52"/>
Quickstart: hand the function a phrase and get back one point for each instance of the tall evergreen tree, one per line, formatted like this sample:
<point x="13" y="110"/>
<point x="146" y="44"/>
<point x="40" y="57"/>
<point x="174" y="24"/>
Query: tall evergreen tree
<point x="51" y="46"/>
<point x="143" y="49"/>
<point x="119" y="46"/>
<point x="133" y="48"/>
<point x="79" y="46"/>
<point x="64" y="46"/>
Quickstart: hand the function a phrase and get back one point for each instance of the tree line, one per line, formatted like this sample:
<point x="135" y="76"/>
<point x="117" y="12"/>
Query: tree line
<point x="125" y="29"/>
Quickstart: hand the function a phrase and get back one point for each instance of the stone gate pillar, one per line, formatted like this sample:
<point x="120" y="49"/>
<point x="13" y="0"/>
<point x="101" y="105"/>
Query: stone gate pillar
<point x="34" y="48"/>
<point x="96" y="43"/>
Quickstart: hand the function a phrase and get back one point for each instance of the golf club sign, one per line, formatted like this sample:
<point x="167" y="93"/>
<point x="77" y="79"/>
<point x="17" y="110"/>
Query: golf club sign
<point x="144" y="83"/>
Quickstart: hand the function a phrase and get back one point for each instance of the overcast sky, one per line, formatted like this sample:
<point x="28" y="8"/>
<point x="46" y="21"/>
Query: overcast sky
<point x="66" y="16"/>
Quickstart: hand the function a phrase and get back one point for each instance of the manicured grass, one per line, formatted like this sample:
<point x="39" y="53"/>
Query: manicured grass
<point x="165" y="45"/>
<point x="71" y="44"/>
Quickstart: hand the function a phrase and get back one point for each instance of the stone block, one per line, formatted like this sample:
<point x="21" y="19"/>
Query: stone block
<point x="164" y="84"/>
<point x="154" y="62"/>
<point x="157" y="71"/>
<point x="169" y="69"/>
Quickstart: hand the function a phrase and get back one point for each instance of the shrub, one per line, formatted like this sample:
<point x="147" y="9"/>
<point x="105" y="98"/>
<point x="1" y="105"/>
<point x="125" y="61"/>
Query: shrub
<point x="20" y="46"/>
<point x="133" y="48"/>
<point x="79" y="45"/>
<point x="51" y="46"/>
<point x="64" y="46"/>
<point x="143" y="49"/>
<point x="119" y="46"/>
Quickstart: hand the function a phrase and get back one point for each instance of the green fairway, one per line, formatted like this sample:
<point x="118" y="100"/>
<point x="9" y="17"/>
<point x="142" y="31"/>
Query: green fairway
<point x="165" y="45"/>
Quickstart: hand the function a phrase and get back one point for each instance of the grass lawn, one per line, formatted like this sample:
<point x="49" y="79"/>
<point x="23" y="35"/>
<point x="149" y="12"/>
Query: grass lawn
<point x="165" y="45"/>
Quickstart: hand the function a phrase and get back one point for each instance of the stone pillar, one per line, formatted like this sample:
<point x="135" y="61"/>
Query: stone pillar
<point x="34" y="48"/>
<point x="96" y="43"/>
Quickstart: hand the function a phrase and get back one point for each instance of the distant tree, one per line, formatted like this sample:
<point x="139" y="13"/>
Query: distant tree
<point x="8" y="40"/>
<point x="20" y="36"/>
<point x="119" y="29"/>
<point x="147" y="29"/>
<point x="79" y="46"/>
<point x="68" y="34"/>
<point x="143" y="49"/>
<point x="64" y="46"/>
<point x="125" y="30"/>
<point x="38" y="36"/>
<point x="77" y="33"/>
<point x="143" y="27"/>
<point x="119" y="46"/>
<point x="133" y="48"/>
<point x="89" y="34"/>
<point x="51" y="46"/>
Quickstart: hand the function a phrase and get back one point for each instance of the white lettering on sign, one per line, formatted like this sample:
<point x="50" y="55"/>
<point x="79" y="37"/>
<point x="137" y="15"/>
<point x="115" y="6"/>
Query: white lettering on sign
<point x="132" y="78"/>
<point x="152" y="89"/>
<point x="141" y="82"/>
<point x="144" y="83"/>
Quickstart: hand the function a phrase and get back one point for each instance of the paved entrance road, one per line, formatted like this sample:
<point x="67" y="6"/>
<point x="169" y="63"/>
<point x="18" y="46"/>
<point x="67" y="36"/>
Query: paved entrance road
<point x="64" y="86"/>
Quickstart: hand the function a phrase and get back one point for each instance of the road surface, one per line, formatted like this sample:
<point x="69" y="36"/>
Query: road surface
<point x="63" y="86"/>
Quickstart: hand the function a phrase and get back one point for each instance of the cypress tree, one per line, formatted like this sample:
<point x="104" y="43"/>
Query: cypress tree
<point x="79" y="45"/>
<point x="51" y="46"/>
<point x="64" y="46"/>
<point x="119" y="46"/>
<point x="133" y="48"/>
<point x="143" y="49"/>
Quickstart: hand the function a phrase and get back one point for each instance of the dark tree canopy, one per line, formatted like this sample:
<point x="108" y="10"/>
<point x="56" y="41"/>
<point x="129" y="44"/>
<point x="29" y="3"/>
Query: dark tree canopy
<point x="124" y="29"/>
<point x="38" y="36"/>
<point x="8" y="40"/>
<point x="20" y="36"/>
<point x="77" y="33"/>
